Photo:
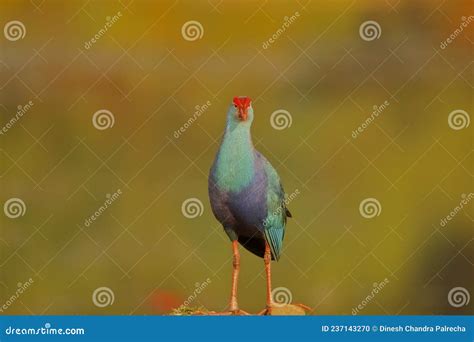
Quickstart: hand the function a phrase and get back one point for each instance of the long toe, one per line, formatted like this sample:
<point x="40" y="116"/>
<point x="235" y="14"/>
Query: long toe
<point x="239" y="312"/>
<point x="265" y="312"/>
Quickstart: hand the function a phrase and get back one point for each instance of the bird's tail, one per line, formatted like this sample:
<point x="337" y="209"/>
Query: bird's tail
<point x="274" y="237"/>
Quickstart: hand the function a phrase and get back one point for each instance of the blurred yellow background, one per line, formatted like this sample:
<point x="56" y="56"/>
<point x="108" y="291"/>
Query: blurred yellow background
<point x="321" y="70"/>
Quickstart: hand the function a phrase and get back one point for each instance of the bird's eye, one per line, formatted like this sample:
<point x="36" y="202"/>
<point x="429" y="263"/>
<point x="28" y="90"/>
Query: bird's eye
<point x="235" y="106"/>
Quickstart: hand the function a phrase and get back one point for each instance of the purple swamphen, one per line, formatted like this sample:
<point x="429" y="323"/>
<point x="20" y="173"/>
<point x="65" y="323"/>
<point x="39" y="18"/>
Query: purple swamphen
<point x="247" y="197"/>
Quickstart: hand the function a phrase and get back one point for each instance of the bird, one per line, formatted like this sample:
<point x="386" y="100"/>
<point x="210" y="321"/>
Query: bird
<point x="247" y="198"/>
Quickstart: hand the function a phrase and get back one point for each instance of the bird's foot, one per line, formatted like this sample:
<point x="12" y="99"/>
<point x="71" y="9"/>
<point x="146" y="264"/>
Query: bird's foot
<point x="266" y="312"/>
<point x="239" y="312"/>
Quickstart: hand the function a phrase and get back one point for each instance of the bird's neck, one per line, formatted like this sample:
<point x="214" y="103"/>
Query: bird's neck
<point x="235" y="162"/>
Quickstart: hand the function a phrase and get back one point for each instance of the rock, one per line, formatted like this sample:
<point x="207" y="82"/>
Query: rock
<point x="288" y="310"/>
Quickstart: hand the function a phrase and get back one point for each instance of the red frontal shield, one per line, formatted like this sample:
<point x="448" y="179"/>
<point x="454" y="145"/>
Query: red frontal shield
<point x="242" y="104"/>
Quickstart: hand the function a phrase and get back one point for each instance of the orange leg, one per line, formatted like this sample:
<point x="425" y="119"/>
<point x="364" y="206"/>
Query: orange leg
<point x="233" y="306"/>
<point x="235" y="276"/>
<point x="267" y="259"/>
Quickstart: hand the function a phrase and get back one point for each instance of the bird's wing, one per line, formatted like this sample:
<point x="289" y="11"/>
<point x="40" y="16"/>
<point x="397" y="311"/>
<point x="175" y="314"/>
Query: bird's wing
<point x="274" y="224"/>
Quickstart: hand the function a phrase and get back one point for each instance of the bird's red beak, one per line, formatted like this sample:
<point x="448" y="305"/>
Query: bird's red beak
<point x="242" y="104"/>
<point x="243" y="113"/>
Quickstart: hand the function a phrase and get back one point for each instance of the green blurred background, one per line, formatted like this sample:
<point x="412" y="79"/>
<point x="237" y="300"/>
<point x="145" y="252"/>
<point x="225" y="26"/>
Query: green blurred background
<point x="320" y="70"/>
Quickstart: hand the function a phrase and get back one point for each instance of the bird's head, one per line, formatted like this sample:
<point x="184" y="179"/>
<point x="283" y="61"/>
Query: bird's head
<point x="241" y="110"/>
